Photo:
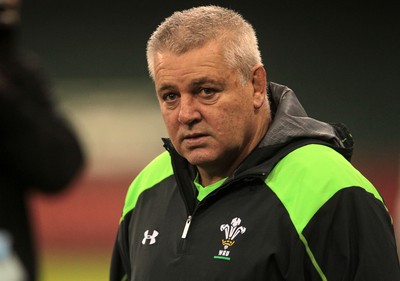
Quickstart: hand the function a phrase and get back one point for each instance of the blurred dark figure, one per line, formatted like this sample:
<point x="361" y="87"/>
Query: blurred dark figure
<point x="38" y="149"/>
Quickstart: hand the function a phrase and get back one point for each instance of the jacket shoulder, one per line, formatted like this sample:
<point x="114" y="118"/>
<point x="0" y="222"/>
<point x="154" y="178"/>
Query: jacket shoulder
<point x="156" y="171"/>
<point x="308" y="177"/>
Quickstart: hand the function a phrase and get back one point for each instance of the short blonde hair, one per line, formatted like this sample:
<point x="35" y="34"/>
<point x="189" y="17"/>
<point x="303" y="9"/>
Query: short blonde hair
<point x="193" y="28"/>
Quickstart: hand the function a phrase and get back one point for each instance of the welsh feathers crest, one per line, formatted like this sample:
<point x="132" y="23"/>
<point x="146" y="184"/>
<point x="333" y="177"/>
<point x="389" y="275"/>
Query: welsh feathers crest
<point x="231" y="231"/>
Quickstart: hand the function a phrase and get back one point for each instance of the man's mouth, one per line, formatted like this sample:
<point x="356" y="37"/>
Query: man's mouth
<point x="194" y="136"/>
<point x="195" y="139"/>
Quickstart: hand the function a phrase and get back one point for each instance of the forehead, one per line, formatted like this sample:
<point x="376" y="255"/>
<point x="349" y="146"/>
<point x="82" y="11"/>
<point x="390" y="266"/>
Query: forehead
<point x="207" y="61"/>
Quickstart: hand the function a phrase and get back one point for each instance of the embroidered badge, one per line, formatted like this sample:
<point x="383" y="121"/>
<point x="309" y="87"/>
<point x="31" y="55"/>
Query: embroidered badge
<point x="230" y="231"/>
<point x="151" y="238"/>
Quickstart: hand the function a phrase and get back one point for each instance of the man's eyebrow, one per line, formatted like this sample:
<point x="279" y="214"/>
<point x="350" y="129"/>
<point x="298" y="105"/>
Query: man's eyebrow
<point x="194" y="84"/>
<point x="166" y="87"/>
<point x="201" y="81"/>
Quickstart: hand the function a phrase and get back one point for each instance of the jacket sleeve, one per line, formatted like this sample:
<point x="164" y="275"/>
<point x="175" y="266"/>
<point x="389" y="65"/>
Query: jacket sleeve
<point x="38" y="146"/>
<point x="117" y="271"/>
<point x="351" y="238"/>
<point x="120" y="262"/>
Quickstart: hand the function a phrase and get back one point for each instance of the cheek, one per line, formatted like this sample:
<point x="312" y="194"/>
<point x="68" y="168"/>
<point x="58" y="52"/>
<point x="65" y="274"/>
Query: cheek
<point x="239" y="108"/>
<point x="235" y="119"/>
<point x="170" y="122"/>
<point x="228" y="122"/>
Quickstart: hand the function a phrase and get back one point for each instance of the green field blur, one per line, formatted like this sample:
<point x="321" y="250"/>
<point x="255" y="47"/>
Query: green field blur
<point x="77" y="266"/>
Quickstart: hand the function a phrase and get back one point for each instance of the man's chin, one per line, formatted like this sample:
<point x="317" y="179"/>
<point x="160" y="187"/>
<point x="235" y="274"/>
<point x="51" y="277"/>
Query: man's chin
<point x="199" y="157"/>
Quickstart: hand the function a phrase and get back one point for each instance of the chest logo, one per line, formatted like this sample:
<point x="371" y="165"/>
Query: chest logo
<point x="150" y="238"/>
<point x="230" y="231"/>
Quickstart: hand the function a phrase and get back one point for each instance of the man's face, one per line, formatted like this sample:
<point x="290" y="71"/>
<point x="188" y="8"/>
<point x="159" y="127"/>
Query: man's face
<point x="208" y="112"/>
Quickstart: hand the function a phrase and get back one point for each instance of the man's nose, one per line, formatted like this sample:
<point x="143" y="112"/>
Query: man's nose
<point x="188" y="110"/>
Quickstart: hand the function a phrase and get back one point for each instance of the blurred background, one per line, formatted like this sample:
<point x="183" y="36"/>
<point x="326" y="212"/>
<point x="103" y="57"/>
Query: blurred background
<point x="342" y="60"/>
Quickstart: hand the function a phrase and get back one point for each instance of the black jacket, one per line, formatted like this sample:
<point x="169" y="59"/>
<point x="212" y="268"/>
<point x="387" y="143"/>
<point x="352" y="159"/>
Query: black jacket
<point x="38" y="149"/>
<point x="295" y="209"/>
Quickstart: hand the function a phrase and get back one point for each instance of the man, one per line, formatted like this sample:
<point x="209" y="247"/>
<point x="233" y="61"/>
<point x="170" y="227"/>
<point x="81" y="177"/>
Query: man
<point x="250" y="187"/>
<point x="39" y="151"/>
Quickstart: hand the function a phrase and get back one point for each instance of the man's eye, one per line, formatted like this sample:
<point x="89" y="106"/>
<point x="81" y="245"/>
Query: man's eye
<point x="208" y="91"/>
<point x="169" y="97"/>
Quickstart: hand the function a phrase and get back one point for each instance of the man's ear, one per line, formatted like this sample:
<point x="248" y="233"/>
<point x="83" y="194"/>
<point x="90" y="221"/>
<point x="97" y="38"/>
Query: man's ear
<point x="259" y="85"/>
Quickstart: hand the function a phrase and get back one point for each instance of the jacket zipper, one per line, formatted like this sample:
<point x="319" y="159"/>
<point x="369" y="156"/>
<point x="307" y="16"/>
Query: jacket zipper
<point x="186" y="228"/>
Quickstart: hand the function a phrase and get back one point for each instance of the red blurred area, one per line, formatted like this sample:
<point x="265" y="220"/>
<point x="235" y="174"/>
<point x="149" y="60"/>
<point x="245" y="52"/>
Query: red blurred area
<point x="382" y="169"/>
<point x="84" y="217"/>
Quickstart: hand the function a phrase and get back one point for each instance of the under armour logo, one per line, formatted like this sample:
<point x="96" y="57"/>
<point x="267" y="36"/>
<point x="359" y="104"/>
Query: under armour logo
<point x="151" y="238"/>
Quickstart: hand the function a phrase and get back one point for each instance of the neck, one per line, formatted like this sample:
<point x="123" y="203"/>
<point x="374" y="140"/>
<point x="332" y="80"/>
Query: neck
<point x="206" y="178"/>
